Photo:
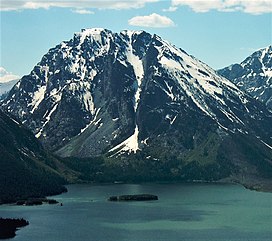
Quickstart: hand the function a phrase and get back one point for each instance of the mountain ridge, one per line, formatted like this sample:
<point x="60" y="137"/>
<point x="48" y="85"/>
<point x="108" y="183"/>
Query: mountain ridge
<point x="253" y="75"/>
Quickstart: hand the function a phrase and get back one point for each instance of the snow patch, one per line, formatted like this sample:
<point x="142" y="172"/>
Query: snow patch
<point x="88" y="102"/>
<point x="145" y="141"/>
<point x="15" y="121"/>
<point x="268" y="73"/>
<point x="37" y="98"/>
<point x="94" y="32"/>
<point x="137" y="65"/>
<point x="266" y="144"/>
<point x="92" y="122"/>
<point x="48" y="117"/>
<point x="170" y="63"/>
<point x="131" y="144"/>
<point x="169" y="91"/>
<point x="173" y="120"/>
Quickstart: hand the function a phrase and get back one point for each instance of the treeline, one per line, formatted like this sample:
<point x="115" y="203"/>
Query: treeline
<point x="22" y="177"/>
<point x="212" y="160"/>
<point x="140" y="167"/>
<point x="26" y="170"/>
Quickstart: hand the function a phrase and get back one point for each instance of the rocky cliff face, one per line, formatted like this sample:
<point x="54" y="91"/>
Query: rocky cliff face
<point x="121" y="94"/>
<point x="254" y="75"/>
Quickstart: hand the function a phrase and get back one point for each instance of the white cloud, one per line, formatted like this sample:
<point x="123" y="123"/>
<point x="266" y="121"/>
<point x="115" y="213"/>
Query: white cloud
<point x="82" y="11"/>
<point x="198" y="5"/>
<point x="15" y="5"/>
<point x="247" y="6"/>
<point x="170" y="9"/>
<point x="6" y="76"/>
<point x="153" y="20"/>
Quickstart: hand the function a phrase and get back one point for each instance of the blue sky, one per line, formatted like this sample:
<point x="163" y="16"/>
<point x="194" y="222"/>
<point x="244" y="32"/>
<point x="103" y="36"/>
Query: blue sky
<point x="218" y="32"/>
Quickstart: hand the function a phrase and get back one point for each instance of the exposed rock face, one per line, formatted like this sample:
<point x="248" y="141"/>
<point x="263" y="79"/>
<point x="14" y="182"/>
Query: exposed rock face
<point x="120" y="94"/>
<point x="254" y="75"/>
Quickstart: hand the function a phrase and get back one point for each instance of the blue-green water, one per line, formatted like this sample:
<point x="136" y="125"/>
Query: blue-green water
<point x="183" y="212"/>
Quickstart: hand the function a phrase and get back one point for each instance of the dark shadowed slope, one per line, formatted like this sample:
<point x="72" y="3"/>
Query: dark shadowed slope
<point x="26" y="170"/>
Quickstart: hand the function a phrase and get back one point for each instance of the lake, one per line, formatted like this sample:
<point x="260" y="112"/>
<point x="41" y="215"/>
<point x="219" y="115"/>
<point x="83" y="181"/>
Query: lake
<point x="189" y="212"/>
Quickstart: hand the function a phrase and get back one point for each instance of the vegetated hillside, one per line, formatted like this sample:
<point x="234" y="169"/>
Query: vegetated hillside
<point x="136" y="107"/>
<point x="236" y="158"/>
<point x="254" y="75"/>
<point x="26" y="170"/>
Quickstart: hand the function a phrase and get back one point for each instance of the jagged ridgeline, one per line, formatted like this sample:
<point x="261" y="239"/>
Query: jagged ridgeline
<point x="254" y="75"/>
<point x="146" y="107"/>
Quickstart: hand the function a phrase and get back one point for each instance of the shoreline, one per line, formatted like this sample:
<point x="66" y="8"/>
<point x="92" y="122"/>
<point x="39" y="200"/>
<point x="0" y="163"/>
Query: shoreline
<point x="9" y="226"/>
<point x="261" y="186"/>
<point x="44" y="199"/>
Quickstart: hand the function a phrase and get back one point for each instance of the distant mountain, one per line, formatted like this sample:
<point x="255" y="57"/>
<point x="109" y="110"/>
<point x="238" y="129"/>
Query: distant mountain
<point x="6" y="87"/>
<point x="151" y="110"/>
<point x="26" y="170"/>
<point x="254" y="75"/>
<point x="7" y="81"/>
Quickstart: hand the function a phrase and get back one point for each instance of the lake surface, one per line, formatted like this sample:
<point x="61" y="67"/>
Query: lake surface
<point x="189" y="212"/>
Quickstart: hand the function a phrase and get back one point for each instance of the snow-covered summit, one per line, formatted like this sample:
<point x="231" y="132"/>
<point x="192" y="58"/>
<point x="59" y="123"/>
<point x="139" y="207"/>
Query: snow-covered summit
<point x="254" y="75"/>
<point x="7" y="81"/>
<point x="6" y="76"/>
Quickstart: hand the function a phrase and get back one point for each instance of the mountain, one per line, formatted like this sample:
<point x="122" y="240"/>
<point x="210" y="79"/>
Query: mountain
<point x="152" y="111"/>
<point x="26" y="170"/>
<point x="6" y="87"/>
<point x="254" y="75"/>
<point x="7" y="81"/>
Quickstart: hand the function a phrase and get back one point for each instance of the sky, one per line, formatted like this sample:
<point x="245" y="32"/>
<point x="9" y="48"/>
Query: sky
<point x="218" y="32"/>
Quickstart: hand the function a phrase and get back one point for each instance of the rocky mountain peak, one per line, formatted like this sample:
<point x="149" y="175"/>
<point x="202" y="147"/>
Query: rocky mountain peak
<point x="114" y="93"/>
<point x="254" y="75"/>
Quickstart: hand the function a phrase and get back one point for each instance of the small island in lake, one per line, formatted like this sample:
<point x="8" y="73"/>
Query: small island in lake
<point x="136" y="197"/>
<point x="9" y="226"/>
